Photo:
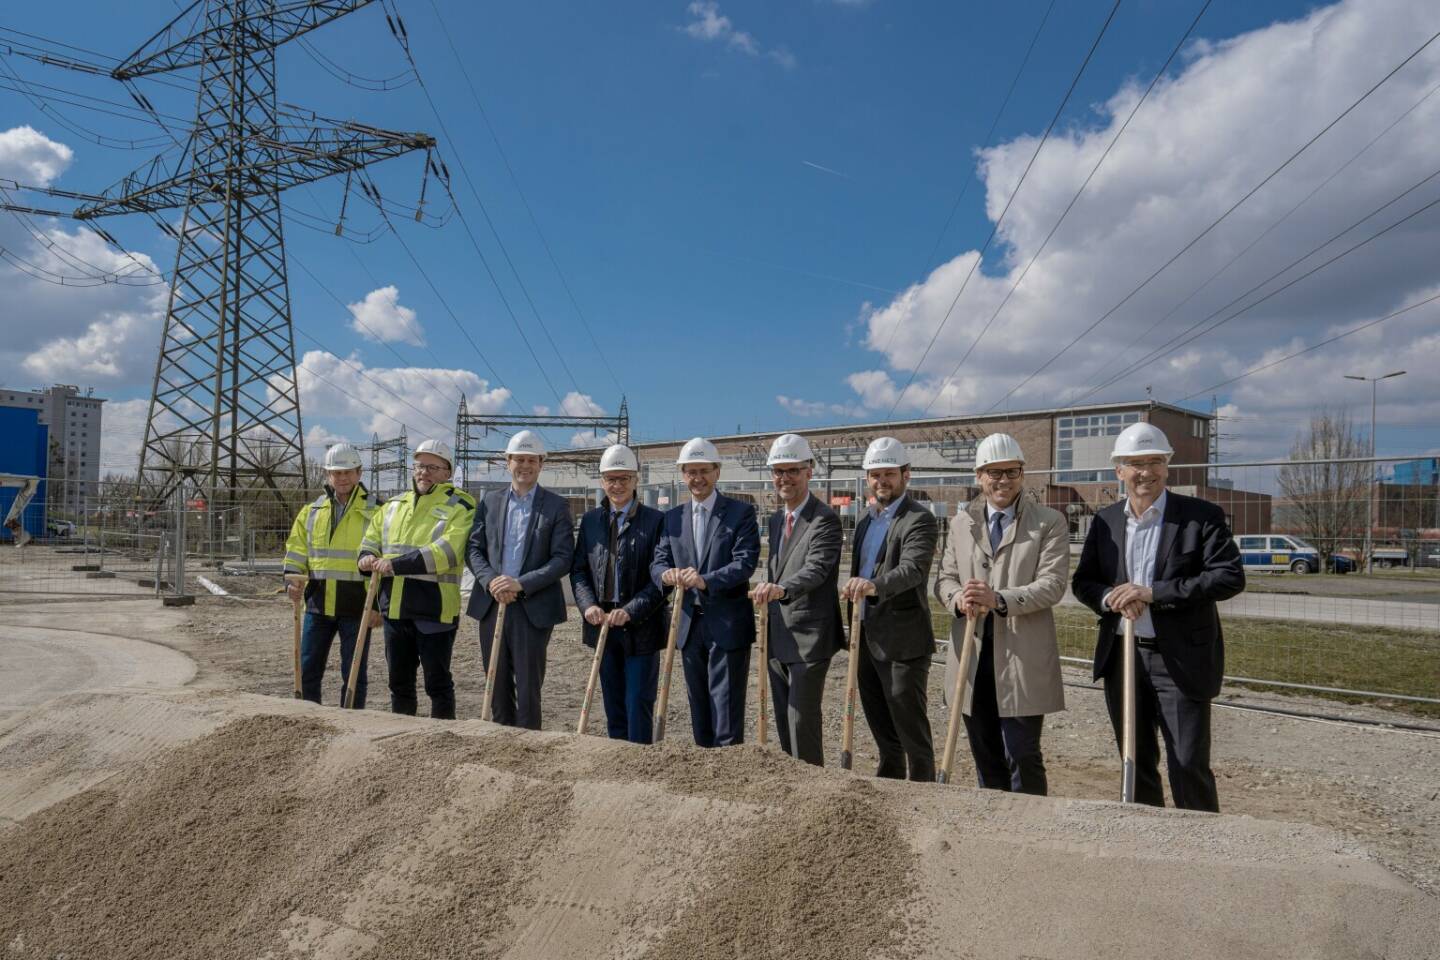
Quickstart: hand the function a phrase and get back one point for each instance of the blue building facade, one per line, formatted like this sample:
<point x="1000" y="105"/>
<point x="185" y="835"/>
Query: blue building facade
<point x="24" y="444"/>
<point x="1419" y="473"/>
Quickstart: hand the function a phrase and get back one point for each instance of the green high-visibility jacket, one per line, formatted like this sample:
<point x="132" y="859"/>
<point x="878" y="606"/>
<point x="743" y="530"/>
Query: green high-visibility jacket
<point x="323" y="549"/>
<point x="424" y="537"/>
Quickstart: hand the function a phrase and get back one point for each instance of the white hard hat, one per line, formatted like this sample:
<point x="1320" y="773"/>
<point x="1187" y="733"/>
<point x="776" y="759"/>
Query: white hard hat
<point x="789" y="448"/>
<point x="1141" y="440"/>
<point x="526" y="441"/>
<point x="886" y="452"/>
<point x="439" y="449"/>
<point x="618" y="457"/>
<point x="997" y="448"/>
<point x="342" y="456"/>
<point x="698" y="450"/>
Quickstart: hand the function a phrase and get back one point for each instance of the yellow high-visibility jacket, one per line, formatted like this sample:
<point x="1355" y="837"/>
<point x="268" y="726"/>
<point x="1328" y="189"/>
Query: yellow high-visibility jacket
<point x="324" y="551"/>
<point x="424" y="536"/>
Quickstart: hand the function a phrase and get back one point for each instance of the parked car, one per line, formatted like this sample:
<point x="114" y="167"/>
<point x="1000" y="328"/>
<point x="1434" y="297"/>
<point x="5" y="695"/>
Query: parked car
<point x="60" y="528"/>
<point x="1279" y="552"/>
<point x="1388" y="557"/>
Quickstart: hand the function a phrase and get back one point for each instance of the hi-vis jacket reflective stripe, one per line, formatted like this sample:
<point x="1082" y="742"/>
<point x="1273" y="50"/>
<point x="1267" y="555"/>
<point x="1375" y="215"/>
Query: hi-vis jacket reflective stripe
<point x="425" y="538"/>
<point x="336" y="587"/>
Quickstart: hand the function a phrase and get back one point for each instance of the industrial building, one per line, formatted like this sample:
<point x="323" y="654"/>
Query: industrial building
<point x="1067" y="465"/>
<point x="73" y="422"/>
<point x="23" y="449"/>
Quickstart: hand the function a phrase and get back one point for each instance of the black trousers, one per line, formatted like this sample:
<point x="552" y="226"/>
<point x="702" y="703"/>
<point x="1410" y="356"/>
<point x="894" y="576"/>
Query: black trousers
<point x="1006" y="749"/>
<point x="406" y="649"/>
<point x="893" y="693"/>
<point x="1184" y="722"/>
<point x="796" y="690"/>
<point x="715" y="679"/>
<point x="521" y="671"/>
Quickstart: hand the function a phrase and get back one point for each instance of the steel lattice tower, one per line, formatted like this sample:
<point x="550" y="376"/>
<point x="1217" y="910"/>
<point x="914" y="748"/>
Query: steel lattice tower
<point x="225" y="405"/>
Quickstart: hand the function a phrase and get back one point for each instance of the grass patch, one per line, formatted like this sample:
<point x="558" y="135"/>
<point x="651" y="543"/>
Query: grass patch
<point x="1385" y="660"/>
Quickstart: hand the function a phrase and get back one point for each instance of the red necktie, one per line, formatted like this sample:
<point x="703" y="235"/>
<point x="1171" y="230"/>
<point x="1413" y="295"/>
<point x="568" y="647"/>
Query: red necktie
<point x="789" y="524"/>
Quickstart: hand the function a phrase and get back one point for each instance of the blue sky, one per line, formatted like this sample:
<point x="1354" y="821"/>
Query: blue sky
<point x="744" y="198"/>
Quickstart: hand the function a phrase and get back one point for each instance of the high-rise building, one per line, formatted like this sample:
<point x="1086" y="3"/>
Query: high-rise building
<point x="73" y="419"/>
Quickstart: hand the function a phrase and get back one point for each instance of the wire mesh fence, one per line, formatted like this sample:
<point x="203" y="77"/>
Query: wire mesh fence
<point x="1342" y="557"/>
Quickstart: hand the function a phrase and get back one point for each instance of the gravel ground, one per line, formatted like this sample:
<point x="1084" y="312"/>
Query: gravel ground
<point x="1379" y="785"/>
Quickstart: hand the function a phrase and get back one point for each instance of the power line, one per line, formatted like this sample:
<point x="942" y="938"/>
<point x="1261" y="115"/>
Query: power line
<point x="994" y="230"/>
<point x="1215" y="223"/>
<point x="1118" y="357"/>
<point x="544" y="242"/>
<point x="970" y="178"/>
<point x="1186" y="336"/>
<point x="1071" y="205"/>
<point x="400" y="36"/>
<point x="1310" y="349"/>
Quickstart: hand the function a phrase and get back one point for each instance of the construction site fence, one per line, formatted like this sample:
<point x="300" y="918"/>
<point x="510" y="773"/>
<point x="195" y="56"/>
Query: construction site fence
<point x="1342" y="556"/>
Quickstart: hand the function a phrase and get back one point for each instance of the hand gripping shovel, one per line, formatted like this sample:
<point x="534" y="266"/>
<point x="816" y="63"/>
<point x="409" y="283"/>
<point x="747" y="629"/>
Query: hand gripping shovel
<point x="299" y="616"/>
<point x="762" y="679"/>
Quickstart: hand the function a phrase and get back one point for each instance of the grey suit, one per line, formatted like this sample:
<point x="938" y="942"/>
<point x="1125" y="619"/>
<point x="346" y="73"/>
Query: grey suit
<point x="805" y="626"/>
<point x="549" y="548"/>
<point x="898" y="643"/>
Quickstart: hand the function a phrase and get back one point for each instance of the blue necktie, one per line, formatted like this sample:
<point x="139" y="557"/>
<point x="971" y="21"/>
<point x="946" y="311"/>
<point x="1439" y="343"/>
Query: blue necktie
<point x="997" y="525"/>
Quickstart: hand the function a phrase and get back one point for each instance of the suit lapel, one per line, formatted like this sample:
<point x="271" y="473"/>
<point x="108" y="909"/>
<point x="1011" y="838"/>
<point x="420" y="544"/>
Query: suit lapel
<point x="1117" y="531"/>
<point x="981" y="530"/>
<point x="1169" y="527"/>
<point x="687" y="534"/>
<point x="858" y="546"/>
<point x="530" y="527"/>
<point x="499" y="500"/>
<point x="712" y="523"/>
<point x="772" y="563"/>
<point x="802" y="520"/>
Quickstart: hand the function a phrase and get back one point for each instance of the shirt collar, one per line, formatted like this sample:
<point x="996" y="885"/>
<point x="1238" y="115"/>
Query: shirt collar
<point x="796" y="511"/>
<point x="526" y="500"/>
<point x="624" y="511"/>
<point x="889" y="512"/>
<point x="1008" y="512"/>
<point x="1156" y="509"/>
<point x="709" y="502"/>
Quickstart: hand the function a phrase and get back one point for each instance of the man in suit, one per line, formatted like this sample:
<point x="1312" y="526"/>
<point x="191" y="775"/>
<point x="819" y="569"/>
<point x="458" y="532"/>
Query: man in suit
<point x="610" y="578"/>
<point x="709" y="547"/>
<point x="1162" y="561"/>
<point x="1006" y="561"/>
<point x="520" y="547"/>
<point x="890" y="570"/>
<point x="801" y="574"/>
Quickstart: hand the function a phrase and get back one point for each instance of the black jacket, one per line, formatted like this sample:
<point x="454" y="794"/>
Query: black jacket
<point x="1196" y="565"/>
<point x="639" y="595"/>
<point x="897" y="618"/>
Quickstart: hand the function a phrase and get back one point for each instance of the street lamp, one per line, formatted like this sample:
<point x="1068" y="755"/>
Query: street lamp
<point x="1374" y="472"/>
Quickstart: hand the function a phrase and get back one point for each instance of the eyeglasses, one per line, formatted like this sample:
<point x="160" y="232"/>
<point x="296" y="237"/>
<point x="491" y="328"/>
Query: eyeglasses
<point x="430" y="468"/>
<point x="1009" y="473"/>
<point x="786" y="472"/>
<point x="617" y="480"/>
<point x="1154" y="463"/>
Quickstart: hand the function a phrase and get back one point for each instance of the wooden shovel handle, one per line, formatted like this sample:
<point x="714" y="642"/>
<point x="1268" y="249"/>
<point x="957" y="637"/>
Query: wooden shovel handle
<point x="662" y="703"/>
<point x="497" y="643"/>
<point x="762" y="679"/>
<point x="358" y="657"/>
<point x="1127" y="745"/>
<point x="957" y="703"/>
<point x="852" y="677"/>
<point x="594" y="677"/>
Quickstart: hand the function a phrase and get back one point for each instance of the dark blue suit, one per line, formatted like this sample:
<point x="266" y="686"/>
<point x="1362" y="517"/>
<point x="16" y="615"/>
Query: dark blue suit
<point x="631" y="661"/>
<point x="717" y="625"/>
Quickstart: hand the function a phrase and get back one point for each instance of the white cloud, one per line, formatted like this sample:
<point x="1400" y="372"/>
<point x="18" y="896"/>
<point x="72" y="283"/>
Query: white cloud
<point x="30" y="157"/>
<point x="815" y="408"/>
<point x="345" y="397"/>
<point x="122" y="431"/>
<point x="578" y="404"/>
<point x="709" y="25"/>
<point x="1207" y="134"/>
<point x="381" y="318"/>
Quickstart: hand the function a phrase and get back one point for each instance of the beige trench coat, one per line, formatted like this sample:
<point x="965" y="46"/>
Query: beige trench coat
<point x="1030" y="570"/>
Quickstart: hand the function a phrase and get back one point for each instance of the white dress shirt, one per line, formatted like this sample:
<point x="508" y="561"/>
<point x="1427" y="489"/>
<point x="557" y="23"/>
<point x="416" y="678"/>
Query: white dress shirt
<point x="1142" y="541"/>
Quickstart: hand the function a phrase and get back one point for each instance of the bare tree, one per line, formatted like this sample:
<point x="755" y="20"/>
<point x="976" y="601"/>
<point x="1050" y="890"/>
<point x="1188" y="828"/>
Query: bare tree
<point x="1325" y="497"/>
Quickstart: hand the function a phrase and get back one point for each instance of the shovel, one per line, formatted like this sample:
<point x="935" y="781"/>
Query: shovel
<point x="957" y="702"/>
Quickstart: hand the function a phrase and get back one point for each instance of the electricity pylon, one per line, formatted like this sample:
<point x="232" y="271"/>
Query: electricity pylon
<point x="225" y="403"/>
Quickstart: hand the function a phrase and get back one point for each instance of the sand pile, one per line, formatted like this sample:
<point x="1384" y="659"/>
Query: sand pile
<point x="263" y="828"/>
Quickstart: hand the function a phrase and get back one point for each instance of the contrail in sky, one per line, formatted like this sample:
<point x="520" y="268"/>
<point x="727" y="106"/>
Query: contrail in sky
<point x="833" y="173"/>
